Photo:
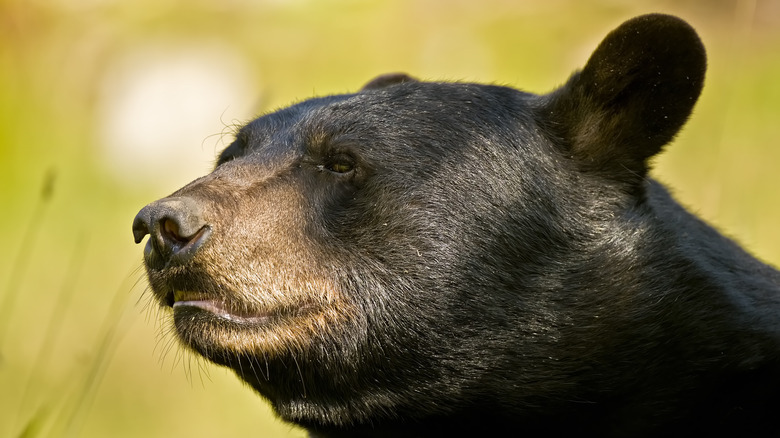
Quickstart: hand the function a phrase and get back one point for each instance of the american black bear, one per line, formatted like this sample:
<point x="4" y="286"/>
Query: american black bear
<point x="455" y="259"/>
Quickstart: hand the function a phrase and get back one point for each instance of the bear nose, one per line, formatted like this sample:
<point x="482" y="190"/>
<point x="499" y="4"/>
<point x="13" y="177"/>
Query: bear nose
<point x="176" y="229"/>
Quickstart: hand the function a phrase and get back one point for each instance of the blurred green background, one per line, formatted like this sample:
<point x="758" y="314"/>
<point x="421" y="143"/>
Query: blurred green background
<point x="106" y="105"/>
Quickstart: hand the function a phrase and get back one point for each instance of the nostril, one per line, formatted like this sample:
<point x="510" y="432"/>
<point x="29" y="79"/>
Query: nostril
<point x="180" y="248"/>
<point x="171" y="234"/>
<point x="170" y="227"/>
<point x="176" y="228"/>
<point x="171" y="230"/>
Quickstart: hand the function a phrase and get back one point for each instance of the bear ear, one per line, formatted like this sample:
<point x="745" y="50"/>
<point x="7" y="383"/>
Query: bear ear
<point x="388" y="79"/>
<point x="631" y="98"/>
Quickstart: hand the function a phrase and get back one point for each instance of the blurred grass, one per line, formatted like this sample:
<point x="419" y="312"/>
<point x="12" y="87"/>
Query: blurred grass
<point x="79" y="353"/>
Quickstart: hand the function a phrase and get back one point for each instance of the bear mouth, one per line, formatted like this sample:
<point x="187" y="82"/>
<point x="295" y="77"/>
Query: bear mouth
<point x="220" y="309"/>
<point x="183" y="300"/>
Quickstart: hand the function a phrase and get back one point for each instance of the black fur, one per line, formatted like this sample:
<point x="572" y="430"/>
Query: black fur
<point x="502" y="260"/>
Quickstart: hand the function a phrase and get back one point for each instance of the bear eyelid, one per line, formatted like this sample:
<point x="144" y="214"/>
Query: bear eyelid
<point x="339" y="165"/>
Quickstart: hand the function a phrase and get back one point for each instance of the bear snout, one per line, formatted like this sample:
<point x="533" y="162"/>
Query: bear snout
<point x="176" y="228"/>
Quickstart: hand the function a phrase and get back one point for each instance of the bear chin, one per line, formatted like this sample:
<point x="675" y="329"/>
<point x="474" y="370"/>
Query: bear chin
<point x="217" y="333"/>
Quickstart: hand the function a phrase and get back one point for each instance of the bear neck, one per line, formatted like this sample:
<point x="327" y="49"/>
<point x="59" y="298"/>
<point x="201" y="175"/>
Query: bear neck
<point x="598" y="308"/>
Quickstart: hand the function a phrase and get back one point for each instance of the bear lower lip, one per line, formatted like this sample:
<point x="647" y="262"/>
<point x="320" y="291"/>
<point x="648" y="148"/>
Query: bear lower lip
<point x="217" y="308"/>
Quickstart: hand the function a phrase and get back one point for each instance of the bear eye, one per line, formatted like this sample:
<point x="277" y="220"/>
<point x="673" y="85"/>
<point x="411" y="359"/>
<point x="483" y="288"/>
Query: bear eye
<point x="340" y="165"/>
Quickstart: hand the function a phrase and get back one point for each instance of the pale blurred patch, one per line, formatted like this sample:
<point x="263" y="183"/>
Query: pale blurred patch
<point x="166" y="109"/>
